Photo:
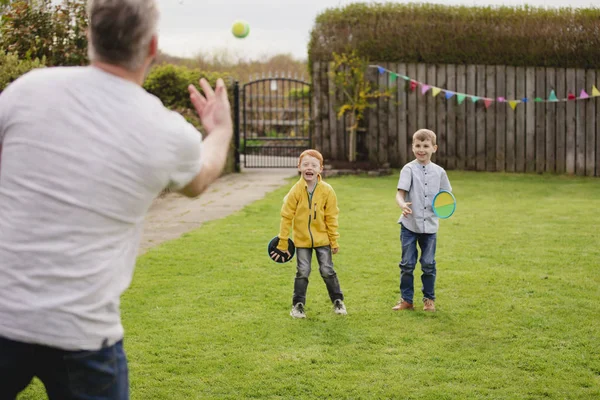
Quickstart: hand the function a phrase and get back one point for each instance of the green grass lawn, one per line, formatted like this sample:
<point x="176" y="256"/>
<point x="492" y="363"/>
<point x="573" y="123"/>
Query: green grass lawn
<point x="518" y="294"/>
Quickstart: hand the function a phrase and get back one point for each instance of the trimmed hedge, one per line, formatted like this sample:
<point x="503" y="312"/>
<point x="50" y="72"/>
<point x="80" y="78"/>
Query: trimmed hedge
<point x="438" y="34"/>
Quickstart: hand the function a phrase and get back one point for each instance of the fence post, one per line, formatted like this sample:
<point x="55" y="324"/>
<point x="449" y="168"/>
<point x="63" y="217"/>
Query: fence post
<point x="236" y="125"/>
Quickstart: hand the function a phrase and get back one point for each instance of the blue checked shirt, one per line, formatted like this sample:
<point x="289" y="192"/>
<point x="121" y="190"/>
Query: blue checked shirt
<point x="422" y="183"/>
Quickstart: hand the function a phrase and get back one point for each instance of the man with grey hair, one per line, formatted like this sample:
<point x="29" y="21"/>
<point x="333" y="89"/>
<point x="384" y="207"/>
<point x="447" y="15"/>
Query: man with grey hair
<point x="85" y="150"/>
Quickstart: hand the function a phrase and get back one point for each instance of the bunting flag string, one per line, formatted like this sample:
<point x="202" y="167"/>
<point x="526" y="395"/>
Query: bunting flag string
<point x="487" y="101"/>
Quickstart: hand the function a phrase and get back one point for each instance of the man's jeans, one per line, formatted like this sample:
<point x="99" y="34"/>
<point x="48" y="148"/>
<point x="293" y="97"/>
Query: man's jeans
<point x="427" y="242"/>
<point x="67" y="375"/>
<point x="304" y="258"/>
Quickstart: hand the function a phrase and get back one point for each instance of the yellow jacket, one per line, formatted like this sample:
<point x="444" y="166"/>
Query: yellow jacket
<point x="315" y="223"/>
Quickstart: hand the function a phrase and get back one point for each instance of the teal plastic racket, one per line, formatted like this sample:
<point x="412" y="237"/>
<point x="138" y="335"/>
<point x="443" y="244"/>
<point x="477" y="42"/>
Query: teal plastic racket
<point x="444" y="204"/>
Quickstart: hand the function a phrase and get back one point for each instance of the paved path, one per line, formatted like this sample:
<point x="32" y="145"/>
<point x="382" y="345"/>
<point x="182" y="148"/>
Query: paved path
<point x="172" y="215"/>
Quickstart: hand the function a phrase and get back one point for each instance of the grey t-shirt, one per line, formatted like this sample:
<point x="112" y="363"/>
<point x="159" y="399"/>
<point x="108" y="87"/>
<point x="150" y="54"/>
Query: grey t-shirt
<point x="84" y="153"/>
<point x="422" y="183"/>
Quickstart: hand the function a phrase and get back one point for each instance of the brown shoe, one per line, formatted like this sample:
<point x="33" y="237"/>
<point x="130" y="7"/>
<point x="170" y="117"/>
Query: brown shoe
<point x="403" y="305"/>
<point x="428" y="305"/>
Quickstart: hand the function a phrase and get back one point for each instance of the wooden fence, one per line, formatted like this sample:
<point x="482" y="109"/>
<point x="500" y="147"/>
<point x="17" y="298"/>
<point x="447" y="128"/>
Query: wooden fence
<point x="558" y="137"/>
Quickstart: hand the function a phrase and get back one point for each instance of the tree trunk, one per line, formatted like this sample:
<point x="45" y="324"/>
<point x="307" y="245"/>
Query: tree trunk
<point x="352" y="145"/>
<point x="352" y="125"/>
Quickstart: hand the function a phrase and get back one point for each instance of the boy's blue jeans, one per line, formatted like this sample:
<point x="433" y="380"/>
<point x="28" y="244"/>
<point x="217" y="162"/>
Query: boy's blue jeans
<point x="304" y="258"/>
<point x="427" y="242"/>
<point x="67" y="375"/>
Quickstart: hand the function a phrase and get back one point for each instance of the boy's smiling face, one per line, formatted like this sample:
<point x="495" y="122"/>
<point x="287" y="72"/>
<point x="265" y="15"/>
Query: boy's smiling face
<point x="423" y="149"/>
<point x="310" y="167"/>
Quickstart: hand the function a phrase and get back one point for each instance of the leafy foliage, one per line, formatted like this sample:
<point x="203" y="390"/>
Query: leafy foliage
<point x="55" y="33"/>
<point x="357" y="92"/>
<point x="303" y="93"/>
<point x="169" y="83"/>
<point x="11" y="67"/>
<point x="440" y="34"/>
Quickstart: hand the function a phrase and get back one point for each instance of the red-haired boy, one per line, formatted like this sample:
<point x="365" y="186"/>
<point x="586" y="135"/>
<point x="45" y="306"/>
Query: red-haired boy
<point x="311" y="208"/>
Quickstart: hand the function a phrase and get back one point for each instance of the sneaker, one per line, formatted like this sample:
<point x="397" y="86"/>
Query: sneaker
<point x="403" y="305"/>
<point x="339" y="307"/>
<point x="298" y="311"/>
<point x="428" y="305"/>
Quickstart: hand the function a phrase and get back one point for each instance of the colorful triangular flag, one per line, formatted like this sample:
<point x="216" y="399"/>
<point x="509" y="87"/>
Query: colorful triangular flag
<point x="475" y="99"/>
<point x="595" y="91"/>
<point x="571" y="96"/>
<point x="381" y="70"/>
<point x="584" y="95"/>
<point x="449" y="94"/>
<point x="524" y="100"/>
<point x="513" y="103"/>
<point x="393" y="77"/>
<point x="435" y="91"/>
<point x="460" y="98"/>
<point x="538" y="100"/>
<point x="501" y="100"/>
<point x="552" y="96"/>
<point x="487" y="102"/>
<point x="425" y="88"/>
<point x="413" y="85"/>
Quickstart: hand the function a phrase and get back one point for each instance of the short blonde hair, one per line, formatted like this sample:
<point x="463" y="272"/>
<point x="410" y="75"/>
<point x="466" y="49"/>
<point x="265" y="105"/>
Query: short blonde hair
<point x="313" y="153"/>
<point x="424" y="134"/>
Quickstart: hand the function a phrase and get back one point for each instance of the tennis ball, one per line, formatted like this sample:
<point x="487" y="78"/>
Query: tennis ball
<point x="240" y="29"/>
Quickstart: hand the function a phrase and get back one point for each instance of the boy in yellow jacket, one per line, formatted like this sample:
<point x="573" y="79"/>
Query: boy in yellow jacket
<point x="311" y="207"/>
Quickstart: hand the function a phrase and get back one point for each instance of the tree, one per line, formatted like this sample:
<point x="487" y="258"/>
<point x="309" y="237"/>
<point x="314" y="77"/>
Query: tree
<point x="348" y="75"/>
<point x="37" y="29"/>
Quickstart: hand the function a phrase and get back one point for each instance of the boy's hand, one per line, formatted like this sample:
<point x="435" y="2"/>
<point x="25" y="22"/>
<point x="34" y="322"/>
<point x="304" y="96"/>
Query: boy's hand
<point x="406" y="208"/>
<point x="276" y="254"/>
<point x="335" y="251"/>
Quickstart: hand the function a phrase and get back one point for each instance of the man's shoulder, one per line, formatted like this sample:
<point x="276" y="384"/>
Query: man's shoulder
<point x="46" y="73"/>
<point x="38" y="77"/>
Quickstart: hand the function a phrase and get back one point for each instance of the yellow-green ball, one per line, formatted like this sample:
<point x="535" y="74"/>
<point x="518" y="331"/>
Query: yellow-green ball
<point x="240" y="29"/>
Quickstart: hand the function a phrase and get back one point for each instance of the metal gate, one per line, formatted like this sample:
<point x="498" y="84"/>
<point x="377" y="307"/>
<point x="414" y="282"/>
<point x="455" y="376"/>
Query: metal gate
<point x="272" y="122"/>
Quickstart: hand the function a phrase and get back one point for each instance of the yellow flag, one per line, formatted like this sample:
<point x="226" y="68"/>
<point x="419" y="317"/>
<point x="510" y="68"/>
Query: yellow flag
<point x="513" y="104"/>
<point x="435" y="91"/>
<point x="595" y="91"/>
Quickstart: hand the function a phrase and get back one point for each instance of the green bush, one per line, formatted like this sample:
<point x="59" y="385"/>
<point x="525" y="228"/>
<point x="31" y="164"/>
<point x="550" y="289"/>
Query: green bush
<point x="439" y="34"/>
<point x="11" y="67"/>
<point x="304" y="93"/>
<point x="169" y="83"/>
<point x="55" y="33"/>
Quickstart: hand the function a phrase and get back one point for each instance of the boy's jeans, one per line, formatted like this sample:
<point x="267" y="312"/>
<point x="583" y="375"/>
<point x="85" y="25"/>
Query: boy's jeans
<point x="427" y="242"/>
<point x="325" y="268"/>
<point x="67" y="375"/>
